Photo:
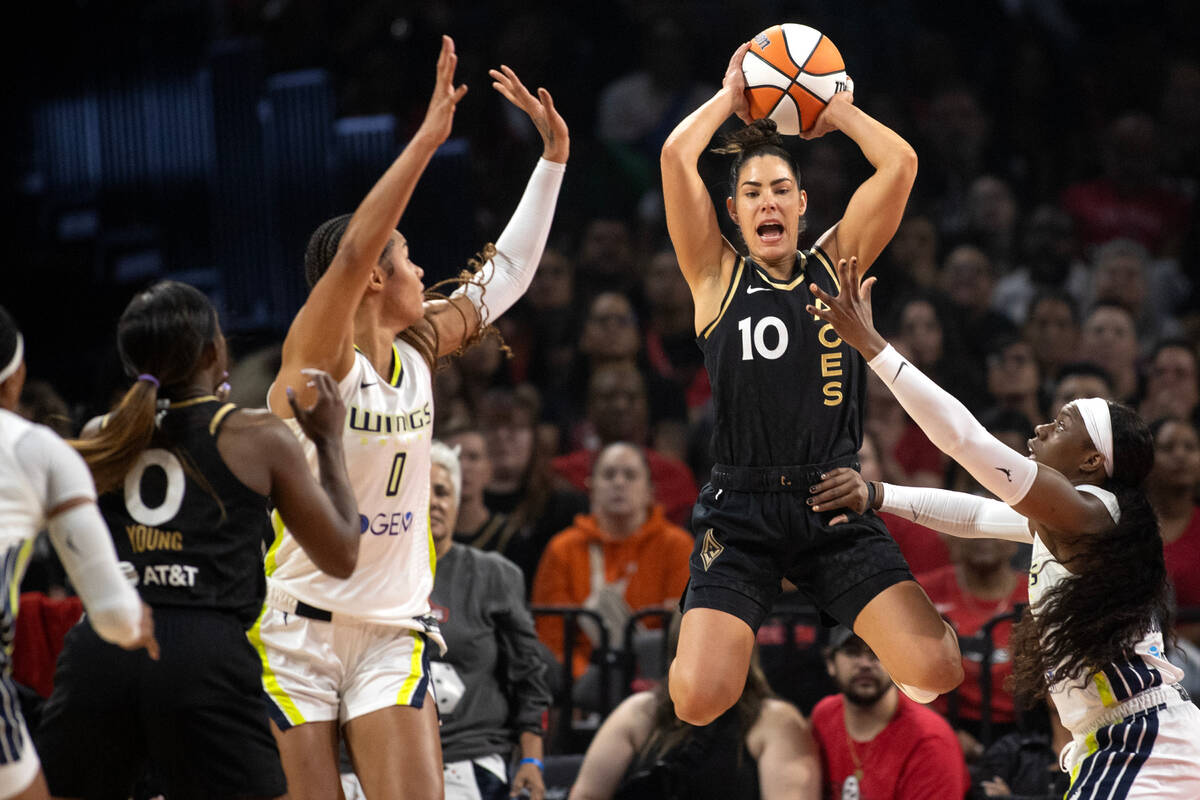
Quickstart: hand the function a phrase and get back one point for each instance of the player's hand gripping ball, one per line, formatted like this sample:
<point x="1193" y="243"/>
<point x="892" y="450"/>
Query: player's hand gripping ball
<point x="791" y="72"/>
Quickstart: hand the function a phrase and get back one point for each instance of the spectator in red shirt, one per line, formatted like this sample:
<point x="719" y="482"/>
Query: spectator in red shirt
<point x="1172" y="486"/>
<point x="617" y="412"/>
<point x="877" y="744"/>
<point x="980" y="585"/>
<point x="1129" y="199"/>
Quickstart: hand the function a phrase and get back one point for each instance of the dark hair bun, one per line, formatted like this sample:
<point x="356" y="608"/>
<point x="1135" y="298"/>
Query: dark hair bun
<point x="760" y="133"/>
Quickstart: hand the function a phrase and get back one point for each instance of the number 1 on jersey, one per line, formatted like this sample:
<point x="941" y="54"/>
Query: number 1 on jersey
<point x="393" y="485"/>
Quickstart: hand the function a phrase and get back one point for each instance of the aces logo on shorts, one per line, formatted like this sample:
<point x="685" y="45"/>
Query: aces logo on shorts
<point x="711" y="549"/>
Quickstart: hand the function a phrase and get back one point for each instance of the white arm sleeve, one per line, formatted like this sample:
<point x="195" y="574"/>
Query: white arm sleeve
<point x="519" y="249"/>
<point x="85" y="547"/>
<point x="964" y="515"/>
<point x="949" y="425"/>
<point x="80" y="536"/>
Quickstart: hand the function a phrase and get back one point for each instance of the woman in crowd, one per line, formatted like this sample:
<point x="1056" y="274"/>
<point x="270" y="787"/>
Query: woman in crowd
<point x="760" y="748"/>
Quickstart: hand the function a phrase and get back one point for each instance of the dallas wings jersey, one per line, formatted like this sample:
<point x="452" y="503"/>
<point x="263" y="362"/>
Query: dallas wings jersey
<point x="1080" y="705"/>
<point x="786" y="389"/>
<point x="389" y="429"/>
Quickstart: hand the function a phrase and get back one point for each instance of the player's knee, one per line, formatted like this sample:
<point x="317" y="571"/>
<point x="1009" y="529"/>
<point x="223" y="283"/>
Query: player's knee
<point x="700" y="699"/>
<point x="938" y="671"/>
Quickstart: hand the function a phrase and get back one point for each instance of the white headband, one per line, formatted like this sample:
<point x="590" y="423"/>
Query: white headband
<point x="1098" y="421"/>
<point x="11" y="367"/>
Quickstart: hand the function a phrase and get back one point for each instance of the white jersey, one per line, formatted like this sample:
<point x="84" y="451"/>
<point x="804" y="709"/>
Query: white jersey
<point x="1080" y="705"/>
<point x="388" y="433"/>
<point x="22" y="504"/>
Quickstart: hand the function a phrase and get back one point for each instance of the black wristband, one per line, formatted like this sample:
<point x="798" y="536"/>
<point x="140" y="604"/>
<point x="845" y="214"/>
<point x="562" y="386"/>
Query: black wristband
<point x="870" y="495"/>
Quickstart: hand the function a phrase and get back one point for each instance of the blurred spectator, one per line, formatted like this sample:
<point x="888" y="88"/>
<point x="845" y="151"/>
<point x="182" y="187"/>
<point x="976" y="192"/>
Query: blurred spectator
<point x="926" y="334"/>
<point x="991" y="220"/>
<point x="611" y="336"/>
<point x="905" y="454"/>
<point x="1052" y="329"/>
<point x="617" y="412"/>
<point x="967" y="279"/>
<point x="955" y="140"/>
<point x="551" y="321"/>
<point x="475" y="524"/>
<point x="491" y="684"/>
<point x="670" y="339"/>
<point x="522" y="485"/>
<point x="1172" y="488"/>
<point x="636" y="111"/>
<point x="1013" y="380"/>
<point x="1181" y="123"/>
<point x="980" y="585"/>
<point x="923" y="549"/>
<point x="1048" y="262"/>
<point x="621" y="557"/>
<point x="760" y="748"/>
<point x="1130" y="198"/>
<point x="876" y="743"/>
<point x="605" y="262"/>
<point x="1122" y="277"/>
<point x="1172" y="382"/>
<point x="913" y="254"/>
<point x="1109" y="339"/>
<point x="1023" y="765"/>
<point x="1079" y="379"/>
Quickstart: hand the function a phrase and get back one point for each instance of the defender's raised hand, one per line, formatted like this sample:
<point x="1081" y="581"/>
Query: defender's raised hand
<point x="325" y="420"/>
<point x="850" y="312"/>
<point x="439" y="117"/>
<point x="553" y="129"/>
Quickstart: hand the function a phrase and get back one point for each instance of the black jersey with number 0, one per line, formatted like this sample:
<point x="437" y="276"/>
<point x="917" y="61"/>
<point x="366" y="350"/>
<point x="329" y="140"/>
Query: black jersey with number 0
<point x="786" y="389"/>
<point x="188" y="548"/>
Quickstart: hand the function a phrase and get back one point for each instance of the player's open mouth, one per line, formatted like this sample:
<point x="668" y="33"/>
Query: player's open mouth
<point x="770" y="232"/>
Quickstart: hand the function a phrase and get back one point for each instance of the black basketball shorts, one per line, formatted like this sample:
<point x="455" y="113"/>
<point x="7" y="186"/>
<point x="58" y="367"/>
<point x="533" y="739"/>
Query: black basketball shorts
<point x="198" y="715"/>
<point x="748" y="540"/>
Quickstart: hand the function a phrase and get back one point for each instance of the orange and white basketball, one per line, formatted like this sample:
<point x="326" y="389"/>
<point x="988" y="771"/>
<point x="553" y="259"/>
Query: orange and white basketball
<point x="791" y="72"/>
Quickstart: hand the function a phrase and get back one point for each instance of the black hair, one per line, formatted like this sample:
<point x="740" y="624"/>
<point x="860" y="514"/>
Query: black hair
<point x="323" y="245"/>
<point x="8" y="337"/>
<point x="759" y="138"/>
<point x="1173" y="343"/>
<point x="1053" y="294"/>
<point x="1118" y="591"/>
<point x="162" y="333"/>
<point x="1085" y="368"/>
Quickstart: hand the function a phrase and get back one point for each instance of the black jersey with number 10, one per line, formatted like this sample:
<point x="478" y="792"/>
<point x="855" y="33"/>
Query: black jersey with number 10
<point x="786" y="389"/>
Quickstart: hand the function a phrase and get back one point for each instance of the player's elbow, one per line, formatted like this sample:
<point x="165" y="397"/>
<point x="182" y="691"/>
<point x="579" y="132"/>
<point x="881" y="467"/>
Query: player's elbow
<point x="344" y="560"/>
<point x="904" y="161"/>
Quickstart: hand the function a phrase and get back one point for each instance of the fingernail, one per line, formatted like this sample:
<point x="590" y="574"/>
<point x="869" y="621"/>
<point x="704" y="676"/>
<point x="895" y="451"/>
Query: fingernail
<point x="824" y="475"/>
<point x="290" y="392"/>
<point x="809" y="500"/>
<point x="812" y="488"/>
<point x="816" y="508"/>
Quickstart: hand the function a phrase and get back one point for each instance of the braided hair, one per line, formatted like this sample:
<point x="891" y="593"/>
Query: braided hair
<point x="323" y="246"/>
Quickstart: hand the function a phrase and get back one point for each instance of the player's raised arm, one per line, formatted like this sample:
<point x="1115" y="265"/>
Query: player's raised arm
<point x="322" y="334"/>
<point x="505" y="277"/>
<point x="874" y="211"/>
<point x="691" y="218"/>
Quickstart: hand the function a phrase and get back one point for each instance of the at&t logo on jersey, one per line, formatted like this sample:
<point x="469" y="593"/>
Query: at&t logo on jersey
<point x="386" y="524"/>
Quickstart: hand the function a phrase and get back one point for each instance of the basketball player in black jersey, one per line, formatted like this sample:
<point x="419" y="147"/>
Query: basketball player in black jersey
<point x="184" y="481"/>
<point x="788" y="396"/>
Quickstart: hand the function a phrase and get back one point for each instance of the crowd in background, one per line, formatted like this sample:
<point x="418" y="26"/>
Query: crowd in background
<point x="1049" y="252"/>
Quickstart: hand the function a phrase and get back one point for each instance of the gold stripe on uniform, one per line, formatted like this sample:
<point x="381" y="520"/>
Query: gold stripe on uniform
<point x="828" y="268"/>
<point x="397" y="366"/>
<point x="194" y="401"/>
<point x="222" y="412"/>
<point x="728" y="298"/>
<point x="415" y="671"/>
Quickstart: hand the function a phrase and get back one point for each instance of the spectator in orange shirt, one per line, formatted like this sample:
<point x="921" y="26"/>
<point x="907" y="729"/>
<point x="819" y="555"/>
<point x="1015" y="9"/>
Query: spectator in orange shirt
<point x="622" y="557"/>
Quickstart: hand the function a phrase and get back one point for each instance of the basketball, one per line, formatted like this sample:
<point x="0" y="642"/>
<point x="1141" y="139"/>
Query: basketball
<point x="791" y="73"/>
